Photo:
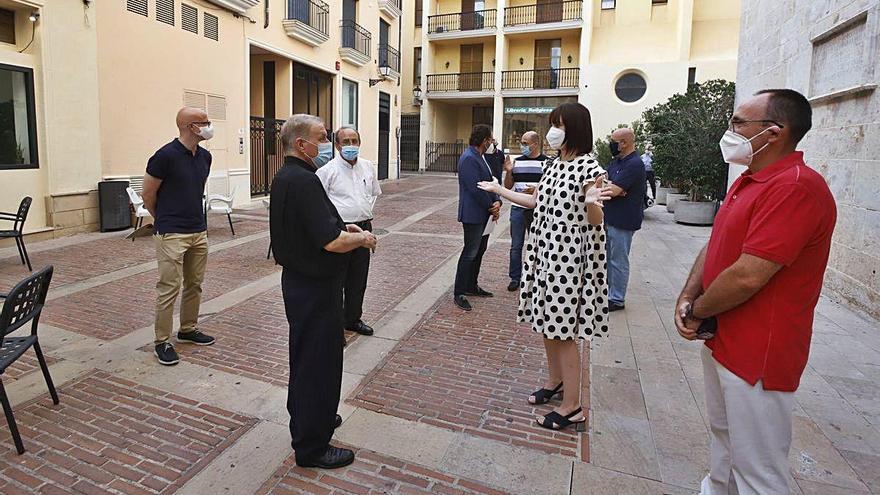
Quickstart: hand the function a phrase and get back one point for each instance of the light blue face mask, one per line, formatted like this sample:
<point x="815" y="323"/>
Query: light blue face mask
<point x="350" y="153"/>
<point x="325" y="154"/>
<point x="526" y="150"/>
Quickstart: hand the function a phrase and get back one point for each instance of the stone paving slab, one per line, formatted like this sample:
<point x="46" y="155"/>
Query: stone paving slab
<point x="27" y="363"/>
<point x="110" y="435"/>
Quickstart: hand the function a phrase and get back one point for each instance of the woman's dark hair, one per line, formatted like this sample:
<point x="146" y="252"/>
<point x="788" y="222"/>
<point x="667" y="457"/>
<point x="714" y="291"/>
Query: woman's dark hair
<point x="480" y="133"/>
<point x="578" y="127"/>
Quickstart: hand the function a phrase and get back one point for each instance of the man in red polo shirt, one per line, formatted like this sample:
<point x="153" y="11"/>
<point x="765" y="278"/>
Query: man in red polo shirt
<point x="760" y="277"/>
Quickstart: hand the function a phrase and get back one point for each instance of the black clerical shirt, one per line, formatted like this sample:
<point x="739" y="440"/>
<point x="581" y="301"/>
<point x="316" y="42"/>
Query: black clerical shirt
<point x="302" y="221"/>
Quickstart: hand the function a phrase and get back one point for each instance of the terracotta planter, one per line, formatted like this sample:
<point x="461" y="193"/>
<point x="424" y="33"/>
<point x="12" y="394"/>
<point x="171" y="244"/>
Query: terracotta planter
<point x="661" y="194"/>
<point x="695" y="212"/>
<point x="672" y="199"/>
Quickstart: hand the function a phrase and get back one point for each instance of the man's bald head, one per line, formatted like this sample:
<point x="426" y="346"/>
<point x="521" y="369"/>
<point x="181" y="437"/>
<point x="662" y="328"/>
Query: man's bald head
<point x="189" y="121"/>
<point x="531" y="137"/>
<point x="626" y="139"/>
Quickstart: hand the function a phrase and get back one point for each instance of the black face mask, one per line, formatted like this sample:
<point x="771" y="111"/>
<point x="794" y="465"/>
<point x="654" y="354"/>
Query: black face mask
<point x="614" y="146"/>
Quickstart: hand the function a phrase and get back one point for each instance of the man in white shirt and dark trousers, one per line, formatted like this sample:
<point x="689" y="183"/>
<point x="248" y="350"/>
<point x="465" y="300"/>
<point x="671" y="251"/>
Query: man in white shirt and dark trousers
<point x="352" y="187"/>
<point x="523" y="175"/>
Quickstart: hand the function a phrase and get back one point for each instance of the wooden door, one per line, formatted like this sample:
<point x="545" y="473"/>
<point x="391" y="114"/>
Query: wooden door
<point x="471" y="76"/>
<point x="548" y="58"/>
<point x="548" y="11"/>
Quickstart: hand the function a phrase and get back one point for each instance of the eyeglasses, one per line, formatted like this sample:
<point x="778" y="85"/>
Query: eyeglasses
<point x="732" y="123"/>
<point x="202" y="124"/>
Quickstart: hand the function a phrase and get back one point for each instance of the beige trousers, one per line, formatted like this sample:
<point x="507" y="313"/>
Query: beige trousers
<point x="750" y="433"/>
<point x="182" y="259"/>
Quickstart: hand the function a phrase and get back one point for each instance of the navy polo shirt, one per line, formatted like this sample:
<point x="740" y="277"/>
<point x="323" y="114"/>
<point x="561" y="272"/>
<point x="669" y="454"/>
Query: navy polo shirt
<point x="628" y="173"/>
<point x="179" y="208"/>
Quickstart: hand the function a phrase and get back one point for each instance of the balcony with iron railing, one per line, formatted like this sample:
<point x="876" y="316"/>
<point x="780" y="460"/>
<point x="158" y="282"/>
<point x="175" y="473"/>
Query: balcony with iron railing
<point x="543" y="16"/>
<point x="462" y="24"/>
<point x="391" y="8"/>
<point x="460" y="84"/>
<point x="389" y="61"/>
<point x="355" y="46"/>
<point x="307" y="21"/>
<point x="561" y="81"/>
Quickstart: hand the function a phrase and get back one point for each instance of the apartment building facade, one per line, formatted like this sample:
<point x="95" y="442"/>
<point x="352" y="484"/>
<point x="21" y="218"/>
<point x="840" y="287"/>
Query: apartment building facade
<point x="89" y="90"/>
<point x="508" y="63"/>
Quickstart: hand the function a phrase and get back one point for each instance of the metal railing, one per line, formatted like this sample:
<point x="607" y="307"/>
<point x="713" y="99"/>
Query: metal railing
<point x="267" y="155"/>
<point x="542" y="13"/>
<point x="355" y="36"/>
<point x="311" y="12"/>
<point x="540" y="79"/>
<point x="462" y="21"/>
<point x="468" y="81"/>
<point x="389" y="57"/>
<point x="443" y="157"/>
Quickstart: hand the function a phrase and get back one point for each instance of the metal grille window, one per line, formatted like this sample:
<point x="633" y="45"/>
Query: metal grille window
<point x="165" y="11"/>
<point x="216" y="107"/>
<point x="137" y="6"/>
<point x="189" y="18"/>
<point x="608" y="4"/>
<point x="7" y="26"/>
<point x="212" y="29"/>
<point x="195" y="99"/>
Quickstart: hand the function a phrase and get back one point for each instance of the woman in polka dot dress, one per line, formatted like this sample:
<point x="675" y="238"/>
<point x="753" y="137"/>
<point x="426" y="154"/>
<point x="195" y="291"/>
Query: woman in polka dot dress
<point x="564" y="292"/>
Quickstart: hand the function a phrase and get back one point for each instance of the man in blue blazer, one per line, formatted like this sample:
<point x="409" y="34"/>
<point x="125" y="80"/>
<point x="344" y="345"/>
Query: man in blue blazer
<point x="475" y="207"/>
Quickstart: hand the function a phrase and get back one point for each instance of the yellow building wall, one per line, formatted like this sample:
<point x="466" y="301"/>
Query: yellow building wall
<point x="454" y="6"/>
<point x="634" y="30"/>
<point x="283" y="81"/>
<point x="525" y="48"/>
<point x="451" y="53"/>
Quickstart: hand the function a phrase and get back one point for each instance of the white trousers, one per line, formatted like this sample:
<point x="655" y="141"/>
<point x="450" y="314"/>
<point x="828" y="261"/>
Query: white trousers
<point x="750" y="433"/>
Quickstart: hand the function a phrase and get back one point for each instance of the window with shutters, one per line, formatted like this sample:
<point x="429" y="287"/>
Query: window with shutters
<point x="165" y="11"/>
<point x="7" y="26"/>
<point x="137" y="6"/>
<point x="195" y="99"/>
<point x="189" y="18"/>
<point x="212" y="29"/>
<point x="216" y="107"/>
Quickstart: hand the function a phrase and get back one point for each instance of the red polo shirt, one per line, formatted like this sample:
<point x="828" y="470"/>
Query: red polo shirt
<point x="785" y="214"/>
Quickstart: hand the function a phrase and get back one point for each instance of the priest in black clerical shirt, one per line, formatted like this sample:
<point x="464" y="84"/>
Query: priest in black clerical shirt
<point x="311" y="242"/>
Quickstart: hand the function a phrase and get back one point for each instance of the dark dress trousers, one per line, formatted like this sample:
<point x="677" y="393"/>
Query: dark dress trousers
<point x="302" y="222"/>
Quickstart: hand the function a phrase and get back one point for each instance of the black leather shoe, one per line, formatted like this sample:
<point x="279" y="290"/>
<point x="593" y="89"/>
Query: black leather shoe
<point x="480" y="292"/>
<point x="333" y="458"/>
<point x="361" y="328"/>
<point x="338" y="422"/>
<point x="462" y="303"/>
<point x="612" y="307"/>
<point x="513" y="285"/>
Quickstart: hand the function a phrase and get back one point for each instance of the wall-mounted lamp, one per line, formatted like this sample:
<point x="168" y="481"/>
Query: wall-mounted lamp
<point x="34" y="17"/>
<point x="447" y="64"/>
<point x="569" y="58"/>
<point x="521" y="61"/>
<point x="417" y="93"/>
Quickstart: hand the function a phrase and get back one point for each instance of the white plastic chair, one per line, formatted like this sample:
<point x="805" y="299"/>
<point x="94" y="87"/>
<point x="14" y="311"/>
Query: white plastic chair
<point x="221" y="204"/>
<point x="140" y="210"/>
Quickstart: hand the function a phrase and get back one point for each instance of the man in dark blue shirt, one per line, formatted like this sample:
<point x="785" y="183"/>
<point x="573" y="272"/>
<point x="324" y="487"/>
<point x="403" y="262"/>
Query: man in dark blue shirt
<point x="173" y="189"/>
<point x="624" y="213"/>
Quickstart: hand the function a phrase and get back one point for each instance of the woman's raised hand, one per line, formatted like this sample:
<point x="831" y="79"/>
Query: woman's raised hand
<point x="597" y="192"/>
<point x="492" y="186"/>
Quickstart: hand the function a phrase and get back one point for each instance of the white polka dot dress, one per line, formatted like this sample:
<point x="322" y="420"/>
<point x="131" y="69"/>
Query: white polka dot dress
<point x="564" y="290"/>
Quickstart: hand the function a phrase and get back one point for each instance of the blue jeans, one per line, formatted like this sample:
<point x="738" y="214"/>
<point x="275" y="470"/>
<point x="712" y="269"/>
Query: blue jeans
<point x="520" y="221"/>
<point x="618" y="246"/>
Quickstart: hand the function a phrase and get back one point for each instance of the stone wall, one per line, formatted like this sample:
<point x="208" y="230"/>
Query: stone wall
<point x="828" y="50"/>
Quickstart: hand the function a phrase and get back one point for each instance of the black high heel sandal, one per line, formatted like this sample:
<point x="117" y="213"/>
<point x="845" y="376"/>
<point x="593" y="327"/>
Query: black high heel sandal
<point x="544" y="395"/>
<point x="555" y="421"/>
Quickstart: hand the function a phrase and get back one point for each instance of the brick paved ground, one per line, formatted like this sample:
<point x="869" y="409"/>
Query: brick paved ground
<point x="114" y="436"/>
<point x="472" y="371"/>
<point x="371" y="474"/>
<point x="436" y="401"/>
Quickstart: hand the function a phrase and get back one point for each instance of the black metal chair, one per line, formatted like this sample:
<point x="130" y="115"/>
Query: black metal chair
<point x="23" y="304"/>
<point x="18" y="220"/>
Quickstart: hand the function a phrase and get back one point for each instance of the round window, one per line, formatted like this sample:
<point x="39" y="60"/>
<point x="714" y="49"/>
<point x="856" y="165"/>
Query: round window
<point x="630" y="87"/>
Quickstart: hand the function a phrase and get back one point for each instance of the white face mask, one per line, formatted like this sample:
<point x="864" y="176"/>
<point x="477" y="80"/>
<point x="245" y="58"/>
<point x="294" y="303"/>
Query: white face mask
<point x="206" y="132"/>
<point x="737" y="149"/>
<point x="555" y="137"/>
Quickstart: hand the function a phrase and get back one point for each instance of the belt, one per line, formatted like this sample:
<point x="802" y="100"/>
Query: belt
<point x="364" y="224"/>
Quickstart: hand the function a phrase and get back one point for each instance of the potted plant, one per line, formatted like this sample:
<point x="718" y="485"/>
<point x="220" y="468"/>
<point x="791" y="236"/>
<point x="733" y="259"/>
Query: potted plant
<point x="684" y="132"/>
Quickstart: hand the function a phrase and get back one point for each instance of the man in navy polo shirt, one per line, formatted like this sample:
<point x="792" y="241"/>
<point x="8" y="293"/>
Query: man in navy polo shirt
<point x="624" y="213"/>
<point x="173" y="189"/>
